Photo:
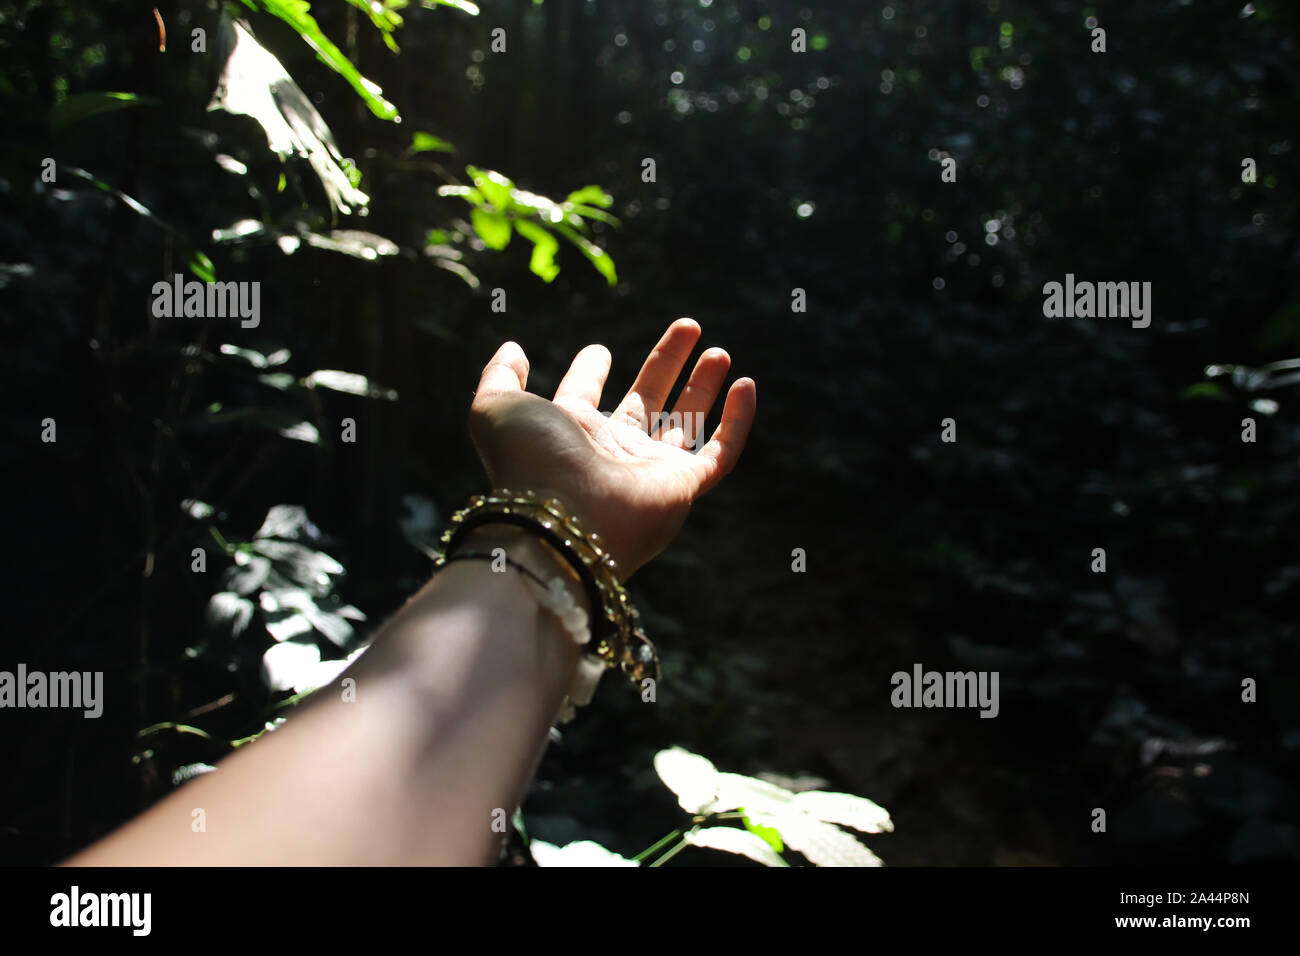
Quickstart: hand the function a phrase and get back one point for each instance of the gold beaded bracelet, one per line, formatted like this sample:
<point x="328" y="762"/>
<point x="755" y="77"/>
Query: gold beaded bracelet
<point x="615" y="626"/>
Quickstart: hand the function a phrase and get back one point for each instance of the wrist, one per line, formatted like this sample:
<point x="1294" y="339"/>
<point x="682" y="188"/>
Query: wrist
<point x="528" y="550"/>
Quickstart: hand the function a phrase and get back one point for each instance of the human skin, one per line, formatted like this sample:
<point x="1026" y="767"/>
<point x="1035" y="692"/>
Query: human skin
<point x="452" y="703"/>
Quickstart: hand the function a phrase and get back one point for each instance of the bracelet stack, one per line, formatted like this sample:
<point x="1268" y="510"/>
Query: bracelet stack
<point x="616" y="636"/>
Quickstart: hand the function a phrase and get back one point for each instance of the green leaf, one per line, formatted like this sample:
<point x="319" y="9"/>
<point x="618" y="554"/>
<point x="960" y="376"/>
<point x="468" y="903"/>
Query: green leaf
<point x="80" y="106"/>
<point x="591" y="195"/>
<point x="383" y="16"/>
<point x="427" y="142"/>
<point x="494" y="187"/>
<point x="493" y="228"/>
<point x="596" y="255"/>
<point x="545" y="246"/>
<point x="591" y="213"/>
<point x="1203" y="390"/>
<point x="296" y="13"/>
<point x="769" y="834"/>
<point x="202" y="266"/>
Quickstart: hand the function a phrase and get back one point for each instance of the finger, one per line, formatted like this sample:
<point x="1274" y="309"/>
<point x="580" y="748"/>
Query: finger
<point x="697" y="398"/>
<point x="506" y="371"/>
<point x="720" y="455"/>
<point x="585" y="380"/>
<point x="649" y="393"/>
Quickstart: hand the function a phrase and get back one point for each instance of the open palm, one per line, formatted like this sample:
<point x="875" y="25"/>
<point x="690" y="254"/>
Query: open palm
<point x="626" y="479"/>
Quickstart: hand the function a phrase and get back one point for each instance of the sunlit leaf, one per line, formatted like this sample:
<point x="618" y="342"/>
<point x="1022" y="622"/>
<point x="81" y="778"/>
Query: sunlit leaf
<point x="463" y="5"/>
<point x="825" y="844"/>
<point x="228" y="613"/>
<point x="582" y="853"/>
<point x="353" y="242"/>
<point x="590" y="195"/>
<point x="288" y="522"/>
<point x="297" y="666"/>
<point x="427" y="142"/>
<point x="253" y="83"/>
<point x="281" y="381"/>
<point x="197" y="509"/>
<point x="350" y="382"/>
<point x="297" y="14"/>
<point x="494" y="186"/>
<point x="241" y="229"/>
<point x="545" y="246"/>
<point x="595" y="255"/>
<point x="733" y="840"/>
<point x="771" y="835"/>
<point x="691" y="777"/>
<point x="846" y="809"/>
<point x="493" y="228"/>
<point x="253" y="358"/>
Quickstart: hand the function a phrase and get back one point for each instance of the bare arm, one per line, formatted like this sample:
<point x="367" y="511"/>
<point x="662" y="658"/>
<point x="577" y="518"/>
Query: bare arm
<point x="454" y="699"/>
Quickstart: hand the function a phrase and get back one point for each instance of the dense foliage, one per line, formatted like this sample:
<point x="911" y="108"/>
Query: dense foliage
<point x="379" y="244"/>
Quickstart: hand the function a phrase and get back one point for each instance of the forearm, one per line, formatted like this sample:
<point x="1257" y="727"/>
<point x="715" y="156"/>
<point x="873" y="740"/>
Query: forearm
<point x="451" y="712"/>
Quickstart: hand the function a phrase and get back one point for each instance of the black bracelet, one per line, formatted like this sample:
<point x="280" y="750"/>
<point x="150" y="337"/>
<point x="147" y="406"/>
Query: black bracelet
<point x="601" y="626"/>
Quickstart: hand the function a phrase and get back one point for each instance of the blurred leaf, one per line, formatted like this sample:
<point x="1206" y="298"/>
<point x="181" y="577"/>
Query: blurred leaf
<point x="595" y="255"/>
<point x="494" y="187"/>
<point x="1203" y="390"/>
<point x="289" y="523"/>
<point x="592" y="195"/>
<point x="296" y="13"/>
<point x="241" y="229"/>
<point x="349" y="382"/>
<point x="202" y="266"/>
<point x="255" y="359"/>
<point x="462" y="5"/>
<point x="426" y="142"/>
<point x="468" y="193"/>
<point x="353" y="242"/>
<point x="253" y="83"/>
<point x="228" y="613"/>
<point x="545" y="246"/>
<point x="79" y="106"/>
<point x="493" y="228"/>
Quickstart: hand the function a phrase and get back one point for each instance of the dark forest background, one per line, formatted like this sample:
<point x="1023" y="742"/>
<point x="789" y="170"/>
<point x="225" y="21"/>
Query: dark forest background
<point x="774" y="170"/>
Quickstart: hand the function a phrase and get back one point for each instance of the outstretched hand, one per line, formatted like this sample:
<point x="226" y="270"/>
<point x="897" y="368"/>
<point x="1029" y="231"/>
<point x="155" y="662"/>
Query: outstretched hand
<point x="625" y="478"/>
